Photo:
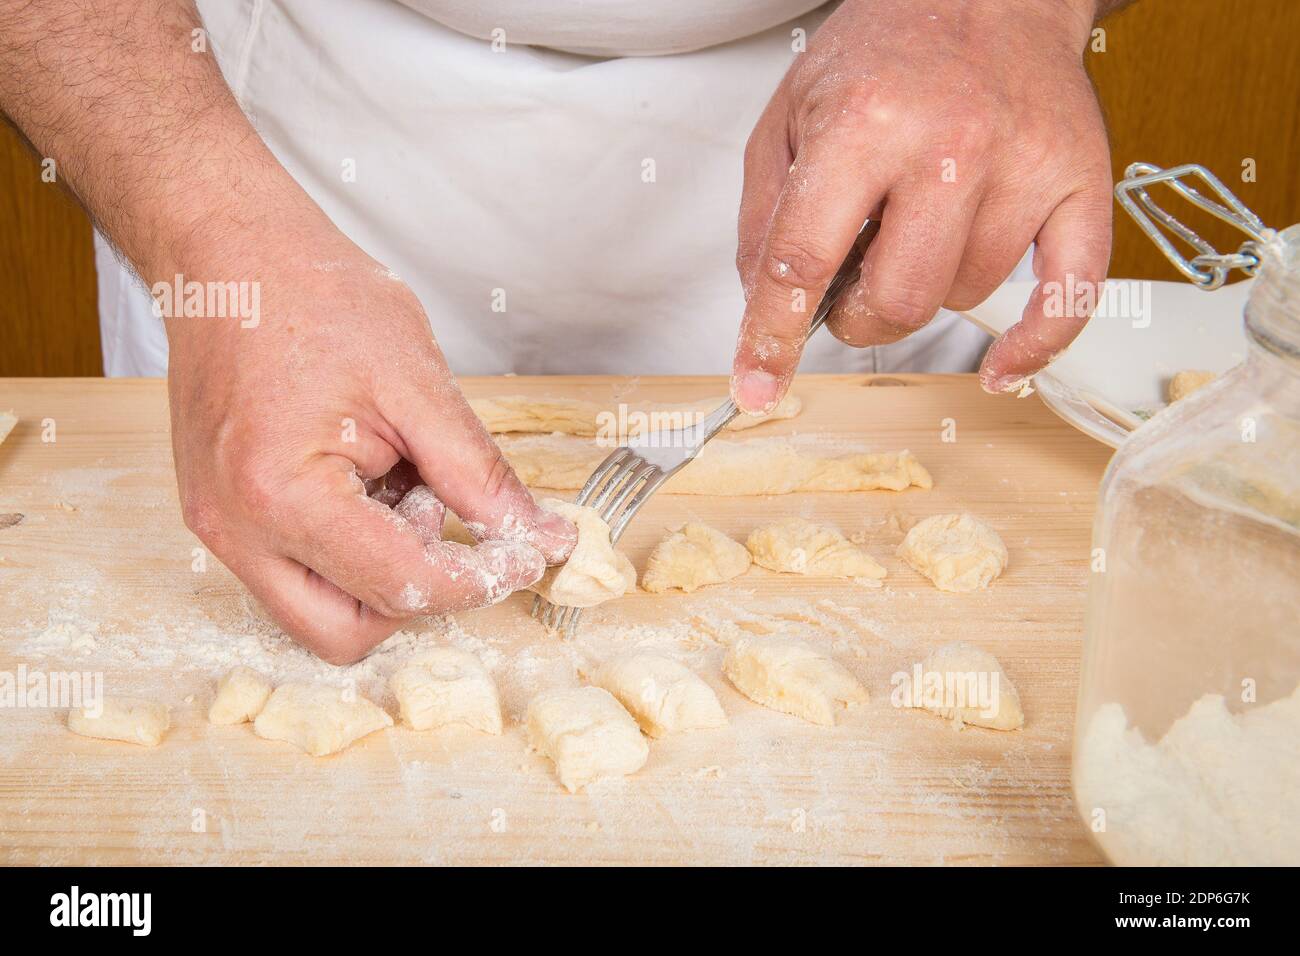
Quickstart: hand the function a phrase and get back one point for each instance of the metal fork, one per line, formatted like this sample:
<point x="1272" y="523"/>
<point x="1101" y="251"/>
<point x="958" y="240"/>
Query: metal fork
<point x="624" y="481"/>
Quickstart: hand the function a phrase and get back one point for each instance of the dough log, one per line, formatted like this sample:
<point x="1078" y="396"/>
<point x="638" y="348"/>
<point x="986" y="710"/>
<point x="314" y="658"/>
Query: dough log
<point x="569" y="416"/>
<point x="757" y="466"/>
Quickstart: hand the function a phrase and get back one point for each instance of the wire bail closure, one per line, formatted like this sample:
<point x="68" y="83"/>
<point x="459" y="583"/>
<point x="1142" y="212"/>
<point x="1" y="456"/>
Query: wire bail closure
<point x="1208" y="270"/>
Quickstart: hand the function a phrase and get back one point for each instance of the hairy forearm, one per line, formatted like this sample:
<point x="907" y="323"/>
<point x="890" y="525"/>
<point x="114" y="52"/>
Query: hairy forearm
<point x="141" y="125"/>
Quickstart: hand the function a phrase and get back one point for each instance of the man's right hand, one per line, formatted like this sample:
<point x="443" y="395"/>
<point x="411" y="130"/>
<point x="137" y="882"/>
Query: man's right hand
<point x="279" y="428"/>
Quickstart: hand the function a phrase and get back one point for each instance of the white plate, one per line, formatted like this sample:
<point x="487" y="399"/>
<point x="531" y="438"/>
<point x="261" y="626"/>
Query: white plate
<point x="1115" y="374"/>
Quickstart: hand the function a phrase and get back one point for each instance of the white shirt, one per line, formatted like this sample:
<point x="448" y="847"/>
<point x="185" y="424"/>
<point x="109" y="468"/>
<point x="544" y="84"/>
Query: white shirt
<point x="595" y="198"/>
<point x="614" y="27"/>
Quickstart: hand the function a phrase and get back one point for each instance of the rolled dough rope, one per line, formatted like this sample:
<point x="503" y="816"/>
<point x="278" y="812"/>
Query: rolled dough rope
<point x="570" y="416"/>
<point x="758" y="466"/>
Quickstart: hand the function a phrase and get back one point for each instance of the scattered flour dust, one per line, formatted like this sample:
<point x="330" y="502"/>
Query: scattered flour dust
<point x="725" y="796"/>
<point x="196" y="643"/>
<point x="1218" y="789"/>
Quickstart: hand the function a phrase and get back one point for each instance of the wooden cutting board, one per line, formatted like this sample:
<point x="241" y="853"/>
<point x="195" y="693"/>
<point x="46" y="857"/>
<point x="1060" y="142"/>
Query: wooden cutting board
<point x="100" y="576"/>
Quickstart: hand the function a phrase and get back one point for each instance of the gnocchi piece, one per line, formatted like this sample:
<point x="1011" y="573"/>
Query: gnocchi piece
<point x="797" y="546"/>
<point x="241" y="695"/>
<point x="587" y="734"/>
<point x="956" y="552"/>
<point x="664" y="696"/>
<point x="122" y="718"/>
<point x="968" y="686"/>
<point x="595" y="572"/>
<point x="1187" y="381"/>
<point x="692" y="557"/>
<point x="791" y="676"/>
<point x="318" y="719"/>
<point x="447" y="686"/>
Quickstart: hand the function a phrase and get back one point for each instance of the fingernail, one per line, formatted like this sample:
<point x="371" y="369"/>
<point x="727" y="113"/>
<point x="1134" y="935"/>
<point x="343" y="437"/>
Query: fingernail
<point x="756" y="392"/>
<point x="1001" y="384"/>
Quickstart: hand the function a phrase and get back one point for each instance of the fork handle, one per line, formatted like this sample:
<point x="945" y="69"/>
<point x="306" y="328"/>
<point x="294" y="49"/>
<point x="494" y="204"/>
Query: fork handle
<point x="849" y="272"/>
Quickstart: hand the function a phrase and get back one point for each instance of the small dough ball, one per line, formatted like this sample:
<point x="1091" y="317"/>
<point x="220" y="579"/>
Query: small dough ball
<point x="793" y="677"/>
<point x="595" y="572"/>
<point x="664" y="696"/>
<point x="447" y="686"/>
<point x="956" y="552"/>
<point x="796" y="546"/>
<point x="588" y="735"/>
<point x="241" y="695"/>
<point x="318" y="719"/>
<point x="692" y="557"/>
<point x="968" y="686"/>
<point x="122" y="718"/>
<point x="1187" y="381"/>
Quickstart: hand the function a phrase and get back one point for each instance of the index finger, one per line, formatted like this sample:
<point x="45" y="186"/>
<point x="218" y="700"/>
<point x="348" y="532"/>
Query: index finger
<point x="821" y="210"/>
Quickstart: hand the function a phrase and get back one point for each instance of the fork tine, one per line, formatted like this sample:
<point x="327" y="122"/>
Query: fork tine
<point x="612" y="460"/>
<point x="620" y="524"/>
<point x="636" y="476"/>
<point x="617" y="479"/>
<point x="626" y="480"/>
<point x="625" y="473"/>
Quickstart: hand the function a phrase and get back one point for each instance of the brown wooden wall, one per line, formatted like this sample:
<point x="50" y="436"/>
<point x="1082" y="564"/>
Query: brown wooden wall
<point x="1209" y="81"/>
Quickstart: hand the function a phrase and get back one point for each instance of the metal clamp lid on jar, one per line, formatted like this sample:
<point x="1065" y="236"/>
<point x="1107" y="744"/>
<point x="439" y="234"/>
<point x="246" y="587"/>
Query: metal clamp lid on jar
<point x="1208" y="270"/>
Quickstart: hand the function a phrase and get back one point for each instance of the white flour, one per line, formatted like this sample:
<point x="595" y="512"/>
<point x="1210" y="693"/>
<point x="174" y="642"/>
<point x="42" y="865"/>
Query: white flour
<point x="1218" y="789"/>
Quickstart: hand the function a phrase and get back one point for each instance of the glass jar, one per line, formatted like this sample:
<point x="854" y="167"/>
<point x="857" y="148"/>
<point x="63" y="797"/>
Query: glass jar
<point x="1187" y="742"/>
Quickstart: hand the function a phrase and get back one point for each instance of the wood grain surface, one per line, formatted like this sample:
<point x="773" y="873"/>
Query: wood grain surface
<point x="100" y="575"/>
<point x="1203" y="81"/>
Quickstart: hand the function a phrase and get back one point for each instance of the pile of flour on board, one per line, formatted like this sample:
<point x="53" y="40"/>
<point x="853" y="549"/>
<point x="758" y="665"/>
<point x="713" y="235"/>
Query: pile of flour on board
<point x="1218" y="789"/>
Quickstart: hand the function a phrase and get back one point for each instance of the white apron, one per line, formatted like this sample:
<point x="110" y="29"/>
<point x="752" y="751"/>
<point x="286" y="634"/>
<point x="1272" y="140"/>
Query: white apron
<point x="595" y="197"/>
